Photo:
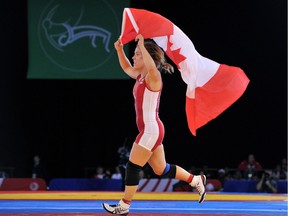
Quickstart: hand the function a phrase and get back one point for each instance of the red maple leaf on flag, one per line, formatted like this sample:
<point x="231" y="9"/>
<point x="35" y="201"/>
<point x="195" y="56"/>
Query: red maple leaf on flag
<point x="175" y="55"/>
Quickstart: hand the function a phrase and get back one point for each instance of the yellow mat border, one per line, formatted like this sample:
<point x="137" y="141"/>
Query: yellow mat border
<point x="104" y="195"/>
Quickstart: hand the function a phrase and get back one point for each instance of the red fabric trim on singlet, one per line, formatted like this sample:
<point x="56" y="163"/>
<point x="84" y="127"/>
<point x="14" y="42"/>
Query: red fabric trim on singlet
<point x="150" y="127"/>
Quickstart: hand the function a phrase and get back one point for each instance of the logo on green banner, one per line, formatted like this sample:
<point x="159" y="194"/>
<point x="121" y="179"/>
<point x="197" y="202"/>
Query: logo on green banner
<point x="74" y="39"/>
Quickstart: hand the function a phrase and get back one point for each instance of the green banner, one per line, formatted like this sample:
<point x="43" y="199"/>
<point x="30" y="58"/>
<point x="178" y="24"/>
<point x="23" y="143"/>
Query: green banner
<point x="74" y="39"/>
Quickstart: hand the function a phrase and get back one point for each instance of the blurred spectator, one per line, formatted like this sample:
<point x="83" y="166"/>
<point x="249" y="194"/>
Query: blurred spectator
<point x="117" y="174"/>
<point x="101" y="173"/>
<point x="222" y="177"/>
<point x="209" y="187"/>
<point x="206" y="171"/>
<point x="124" y="154"/>
<point x="3" y="174"/>
<point x="107" y="174"/>
<point x="267" y="184"/>
<point x="237" y="175"/>
<point x="250" y="168"/>
<point x="38" y="169"/>
<point x="280" y="171"/>
<point x="228" y="173"/>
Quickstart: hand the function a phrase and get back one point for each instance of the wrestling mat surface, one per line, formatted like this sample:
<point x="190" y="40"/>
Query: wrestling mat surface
<point x="72" y="203"/>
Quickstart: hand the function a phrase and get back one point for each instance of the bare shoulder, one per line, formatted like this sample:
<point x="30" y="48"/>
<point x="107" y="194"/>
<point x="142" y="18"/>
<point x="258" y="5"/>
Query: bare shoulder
<point x="154" y="82"/>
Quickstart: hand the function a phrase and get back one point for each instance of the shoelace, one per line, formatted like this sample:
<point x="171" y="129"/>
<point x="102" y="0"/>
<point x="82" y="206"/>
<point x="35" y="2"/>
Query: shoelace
<point x="118" y="209"/>
<point x="198" y="188"/>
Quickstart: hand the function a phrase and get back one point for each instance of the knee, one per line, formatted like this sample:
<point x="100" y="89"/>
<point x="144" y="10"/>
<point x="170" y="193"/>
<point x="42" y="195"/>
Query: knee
<point x="133" y="174"/>
<point x="158" y="170"/>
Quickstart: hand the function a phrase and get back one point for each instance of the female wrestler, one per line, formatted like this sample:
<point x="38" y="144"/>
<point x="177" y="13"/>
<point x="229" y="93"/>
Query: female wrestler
<point x="148" y="61"/>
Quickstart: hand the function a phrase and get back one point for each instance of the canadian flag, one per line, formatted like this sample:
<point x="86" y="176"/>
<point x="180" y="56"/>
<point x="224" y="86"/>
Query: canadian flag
<point x="211" y="87"/>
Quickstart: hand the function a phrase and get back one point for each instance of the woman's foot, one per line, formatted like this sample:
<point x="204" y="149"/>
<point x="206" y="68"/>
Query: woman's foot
<point x="119" y="209"/>
<point x="199" y="182"/>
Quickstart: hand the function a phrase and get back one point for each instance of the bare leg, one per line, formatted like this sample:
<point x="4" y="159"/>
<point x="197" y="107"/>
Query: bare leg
<point x="158" y="163"/>
<point x="139" y="156"/>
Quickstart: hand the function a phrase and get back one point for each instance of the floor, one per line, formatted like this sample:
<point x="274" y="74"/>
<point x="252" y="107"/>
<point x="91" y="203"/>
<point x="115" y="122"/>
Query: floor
<point x="73" y="203"/>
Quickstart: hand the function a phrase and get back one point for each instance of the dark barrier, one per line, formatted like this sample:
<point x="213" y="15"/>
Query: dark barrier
<point x="245" y="186"/>
<point x="86" y="184"/>
<point x="8" y="184"/>
<point x="282" y="186"/>
<point x="250" y="186"/>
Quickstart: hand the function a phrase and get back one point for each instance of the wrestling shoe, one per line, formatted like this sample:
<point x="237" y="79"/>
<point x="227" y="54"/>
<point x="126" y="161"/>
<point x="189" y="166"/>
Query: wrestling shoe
<point x="119" y="209"/>
<point x="199" y="182"/>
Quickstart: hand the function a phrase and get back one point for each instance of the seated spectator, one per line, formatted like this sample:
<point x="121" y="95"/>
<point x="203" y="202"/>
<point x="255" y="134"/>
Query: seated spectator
<point x="221" y="177"/>
<point x="250" y="168"/>
<point x="117" y="173"/>
<point x="101" y="173"/>
<point x="237" y="175"/>
<point x="267" y="184"/>
<point x="280" y="171"/>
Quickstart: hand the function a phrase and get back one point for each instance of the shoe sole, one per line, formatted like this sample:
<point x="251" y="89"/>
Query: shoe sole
<point x="202" y="198"/>
<point x="103" y="206"/>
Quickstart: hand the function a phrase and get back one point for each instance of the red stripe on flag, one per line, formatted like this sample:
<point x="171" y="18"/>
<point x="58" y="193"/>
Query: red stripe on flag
<point x="143" y="19"/>
<point x="220" y="92"/>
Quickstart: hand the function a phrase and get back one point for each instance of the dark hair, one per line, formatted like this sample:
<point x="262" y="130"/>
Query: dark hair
<point x="158" y="56"/>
